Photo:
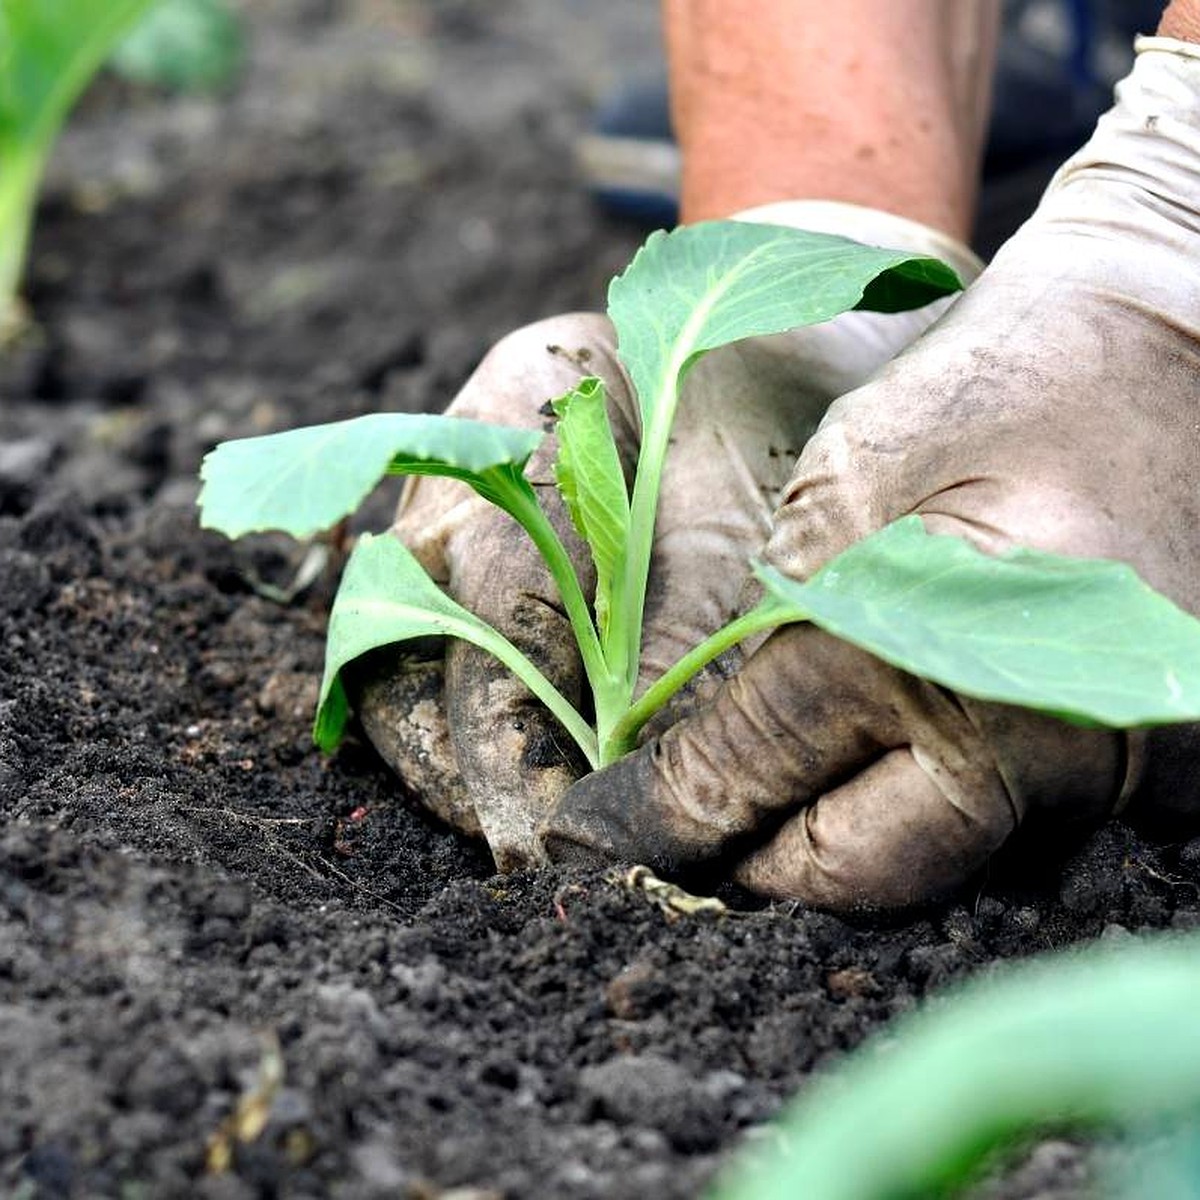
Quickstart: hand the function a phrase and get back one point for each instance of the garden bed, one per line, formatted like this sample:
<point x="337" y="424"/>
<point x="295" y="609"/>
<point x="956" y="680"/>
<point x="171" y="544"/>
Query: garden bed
<point x="202" y="923"/>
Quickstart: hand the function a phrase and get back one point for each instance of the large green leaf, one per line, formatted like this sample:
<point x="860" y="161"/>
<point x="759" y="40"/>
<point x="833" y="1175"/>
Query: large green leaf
<point x="588" y="471"/>
<point x="702" y="286"/>
<point x="385" y="597"/>
<point x="1084" y="639"/>
<point x="306" y="480"/>
<point x="49" y="50"/>
<point x="186" y="45"/>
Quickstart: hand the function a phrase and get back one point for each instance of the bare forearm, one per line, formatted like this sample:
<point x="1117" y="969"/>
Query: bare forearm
<point x="1181" y="20"/>
<point x="877" y="104"/>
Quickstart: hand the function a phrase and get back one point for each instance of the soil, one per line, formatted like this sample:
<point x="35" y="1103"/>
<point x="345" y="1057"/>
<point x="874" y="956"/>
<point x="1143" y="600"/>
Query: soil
<point x="229" y="968"/>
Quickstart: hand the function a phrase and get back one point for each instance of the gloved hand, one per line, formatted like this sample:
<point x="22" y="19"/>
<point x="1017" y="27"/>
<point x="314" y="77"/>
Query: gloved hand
<point x="466" y="736"/>
<point x="1057" y="405"/>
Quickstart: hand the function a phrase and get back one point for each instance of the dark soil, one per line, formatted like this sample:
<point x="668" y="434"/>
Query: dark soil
<point x="201" y="921"/>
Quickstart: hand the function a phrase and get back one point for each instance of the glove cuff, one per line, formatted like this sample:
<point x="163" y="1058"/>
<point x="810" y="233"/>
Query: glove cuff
<point x="1144" y="155"/>
<point x="1144" y="43"/>
<point x="870" y="225"/>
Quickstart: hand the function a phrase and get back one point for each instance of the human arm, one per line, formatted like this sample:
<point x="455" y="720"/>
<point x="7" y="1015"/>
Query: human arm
<point x="879" y="105"/>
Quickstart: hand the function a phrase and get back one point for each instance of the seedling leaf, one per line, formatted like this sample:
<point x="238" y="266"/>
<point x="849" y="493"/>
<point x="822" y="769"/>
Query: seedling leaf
<point x="702" y="286"/>
<point x="1082" y="639"/>
<point x="385" y="596"/>
<point x="306" y="480"/>
<point x="588" y="471"/>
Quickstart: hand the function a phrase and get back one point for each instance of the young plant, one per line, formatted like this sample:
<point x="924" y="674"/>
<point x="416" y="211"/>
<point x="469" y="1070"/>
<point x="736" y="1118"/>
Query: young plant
<point x="1085" y="640"/>
<point x="49" y="51"/>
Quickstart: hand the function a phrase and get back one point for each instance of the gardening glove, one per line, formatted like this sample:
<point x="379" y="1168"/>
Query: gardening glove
<point x="464" y="734"/>
<point x="1055" y="406"/>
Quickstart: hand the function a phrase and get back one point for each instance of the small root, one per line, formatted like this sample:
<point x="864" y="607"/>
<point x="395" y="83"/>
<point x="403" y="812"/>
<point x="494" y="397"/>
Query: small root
<point x="671" y="899"/>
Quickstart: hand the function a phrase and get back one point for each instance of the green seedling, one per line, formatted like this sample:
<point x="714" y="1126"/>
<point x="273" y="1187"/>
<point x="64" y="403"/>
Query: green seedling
<point x="1082" y="639"/>
<point x="49" y="51"/>
<point x="1101" y="1038"/>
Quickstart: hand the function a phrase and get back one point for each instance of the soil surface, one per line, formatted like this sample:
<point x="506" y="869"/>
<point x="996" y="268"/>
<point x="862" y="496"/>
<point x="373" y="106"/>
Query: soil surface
<point x="229" y="968"/>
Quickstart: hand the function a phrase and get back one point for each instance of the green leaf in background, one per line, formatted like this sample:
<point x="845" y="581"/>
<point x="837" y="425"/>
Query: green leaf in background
<point x="1083" y="639"/>
<point x="1103" y="1035"/>
<point x="705" y="285"/>
<point x="306" y="480"/>
<point x="49" y="51"/>
<point x="184" y="45"/>
<point x="588" y="471"/>
<point x="385" y="596"/>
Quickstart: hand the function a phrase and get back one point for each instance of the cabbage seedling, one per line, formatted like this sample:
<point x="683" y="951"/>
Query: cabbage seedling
<point x="49" y="51"/>
<point x="1083" y="639"/>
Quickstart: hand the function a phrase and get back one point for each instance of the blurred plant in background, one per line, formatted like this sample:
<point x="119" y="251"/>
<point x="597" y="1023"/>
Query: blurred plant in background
<point x="183" y="45"/>
<point x="1104" y="1038"/>
<point x="49" y="52"/>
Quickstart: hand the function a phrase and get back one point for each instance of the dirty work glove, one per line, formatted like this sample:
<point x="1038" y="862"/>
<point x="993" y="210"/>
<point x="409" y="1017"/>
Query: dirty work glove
<point x="463" y="733"/>
<point x="1057" y="405"/>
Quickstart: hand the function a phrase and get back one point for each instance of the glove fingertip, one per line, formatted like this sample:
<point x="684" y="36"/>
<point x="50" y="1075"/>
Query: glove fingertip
<point x="613" y="816"/>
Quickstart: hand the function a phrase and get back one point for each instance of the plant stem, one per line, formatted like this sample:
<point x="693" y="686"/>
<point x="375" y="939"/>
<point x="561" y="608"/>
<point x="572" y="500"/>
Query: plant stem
<point x="626" y="640"/>
<point x="767" y="614"/>
<point x="658" y="415"/>
<point x="22" y="170"/>
<point x="605" y="685"/>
